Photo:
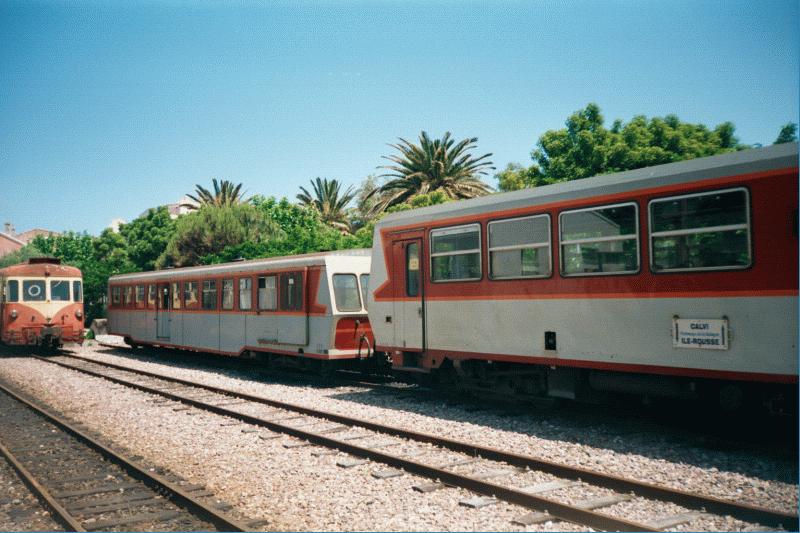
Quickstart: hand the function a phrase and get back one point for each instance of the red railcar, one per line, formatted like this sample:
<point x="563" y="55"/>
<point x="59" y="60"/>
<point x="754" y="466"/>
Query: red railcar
<point x="42" y="304"/>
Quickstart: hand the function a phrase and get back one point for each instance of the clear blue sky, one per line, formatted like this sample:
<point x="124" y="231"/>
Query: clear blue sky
<point x="108" y="108"/>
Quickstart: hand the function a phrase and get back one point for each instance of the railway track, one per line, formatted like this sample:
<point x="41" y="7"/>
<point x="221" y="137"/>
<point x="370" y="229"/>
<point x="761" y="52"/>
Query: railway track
<point x="90" y="487"/>
<point x="493" y="474"/>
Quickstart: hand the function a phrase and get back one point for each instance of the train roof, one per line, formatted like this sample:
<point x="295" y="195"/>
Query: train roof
<point x="746" y="161"/>
<point x="39" y="266"/>
<point x="252" y="265"/>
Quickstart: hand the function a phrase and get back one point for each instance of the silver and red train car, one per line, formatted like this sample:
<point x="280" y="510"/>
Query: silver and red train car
<point x="678" y="280"/>
<point x="42" y="304"/>
<point x="308" y="307"/>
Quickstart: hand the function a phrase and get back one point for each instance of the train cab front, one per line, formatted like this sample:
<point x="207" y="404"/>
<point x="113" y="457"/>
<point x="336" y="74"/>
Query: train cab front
<point x="45" y="313"/>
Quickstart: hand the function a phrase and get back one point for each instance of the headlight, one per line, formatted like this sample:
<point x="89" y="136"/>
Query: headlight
<point x="13" y="313"/>
<point x="78" y="313"/>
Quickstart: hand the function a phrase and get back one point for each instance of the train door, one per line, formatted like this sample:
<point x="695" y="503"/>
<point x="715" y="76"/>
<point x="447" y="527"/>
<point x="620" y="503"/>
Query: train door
<point x="162" y="311"/>
<point x="409" y="305"/>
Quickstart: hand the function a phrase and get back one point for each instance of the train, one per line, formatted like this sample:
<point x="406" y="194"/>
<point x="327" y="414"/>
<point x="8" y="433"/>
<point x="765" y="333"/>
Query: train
<point x="675" y="281"/>
<point x="308" y="309"/>
<point x="41" y="304"/>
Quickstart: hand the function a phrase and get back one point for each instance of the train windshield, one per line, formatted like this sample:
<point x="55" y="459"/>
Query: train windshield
<point x="59" y="290"/>
<point x="33" y="290"/>
<point x="77" y="291"/>
<point x="345" y="289"/>
<point x="12" y="291"/>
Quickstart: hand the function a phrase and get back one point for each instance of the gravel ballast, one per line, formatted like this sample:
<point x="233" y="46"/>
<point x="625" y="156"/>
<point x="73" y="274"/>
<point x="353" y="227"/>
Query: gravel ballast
<point x="300" y="488"/>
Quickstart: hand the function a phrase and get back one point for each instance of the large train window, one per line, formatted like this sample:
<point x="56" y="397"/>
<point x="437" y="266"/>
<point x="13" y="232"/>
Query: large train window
<point x="227" y="294"/>
<point x="364" y="279"/>
<point x="176" y="295"/>
<point x="59" y="290"/>
<point x="116" y="294"/>
<point x="600" y="240"/>
<point x="140" y="296"/>
<point x="77" y="291"/>
<point x="33" y="290"/>
<point x="12" y="291"/>
<point x="151" y="296"/>
<point x="456" y="253"/>
<point x="210" y="294"/>
<point x="292" y="291"/>
<point x="705" y="231"/>
<point x="190" y="294"/>
<point x="520" y="248"/>
<point x="345" y="292"/>
<point x="245" y="294"/>
<point x="267" y="293"/>
<point x="128" y="295"/>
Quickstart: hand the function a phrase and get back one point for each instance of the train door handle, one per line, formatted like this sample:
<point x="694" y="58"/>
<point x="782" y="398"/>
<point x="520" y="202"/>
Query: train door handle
<point x="419" y="311"/>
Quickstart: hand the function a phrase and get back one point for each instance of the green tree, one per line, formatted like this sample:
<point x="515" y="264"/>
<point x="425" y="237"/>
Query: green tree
<point x="434" y="165"/>
<point x="225" y="194"/>
<point x="585" y="147"/>
<point x="20" y="256"/>
<point x="787" y="134"/>
<point x="329" y="201"/>
<point x="147" y="237"/>
<point x="211" y="229"/>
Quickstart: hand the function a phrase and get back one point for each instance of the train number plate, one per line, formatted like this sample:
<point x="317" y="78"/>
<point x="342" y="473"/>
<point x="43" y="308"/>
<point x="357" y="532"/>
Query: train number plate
<point x="707" y="334"/>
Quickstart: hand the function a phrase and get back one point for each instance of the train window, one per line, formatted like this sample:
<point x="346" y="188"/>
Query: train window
<point x="151" y="296"/>
<point x="227" y="294"/>
<point x="292" y="291"/>
<point x="12" y="291"/>
<point x="245" y="294"/>
<point x="456" y="253"/>
<point x="364" y="288"/>
<point x="210" y="294"/>
<point x="520" y="247"/>
<point x="59" y="290"/>
<point x="140" y="296"/>
<point x="190" y="294"/>
<point x="267" y="293"/>
<point x="115" y="295"/>
<point x="77" y="291"/>
<point x="128" y="295"/>
<point x="345" y="291"/>
<point x="706" y="231"/>
<point x="33" y="290"/>
<point x="600" y="241"/>
<point x="176" y="295"/>
<point x="412" y="269"/>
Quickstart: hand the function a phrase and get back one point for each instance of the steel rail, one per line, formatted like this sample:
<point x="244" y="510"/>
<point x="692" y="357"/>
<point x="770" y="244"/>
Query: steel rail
<point x="60" y="514"/>
<point x="554" y="508"/>
<point x="691" y="500"/>
<point x="222" y="522"/>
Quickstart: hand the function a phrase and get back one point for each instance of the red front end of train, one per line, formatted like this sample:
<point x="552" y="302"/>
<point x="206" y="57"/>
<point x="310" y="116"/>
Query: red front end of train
<point x="42" y="304"/>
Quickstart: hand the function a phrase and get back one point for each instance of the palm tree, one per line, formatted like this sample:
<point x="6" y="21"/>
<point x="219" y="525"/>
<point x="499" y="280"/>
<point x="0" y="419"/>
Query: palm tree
<point x="433" y="165"/>
<point x="329" y="202"/>
<point x="225" y="194"/>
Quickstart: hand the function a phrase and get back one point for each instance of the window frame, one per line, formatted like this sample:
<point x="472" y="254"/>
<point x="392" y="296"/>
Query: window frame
<point x="358" y="291"/>
<point x="407" y="270"/>
<point x="8" y="290"/>
<point x="432" y="233"/>
<point x="43" y="290"/>
<point x="238" y="287"/>
<point x="295" y="275"/>
<point x="638" y="233"/>
<point x="50" y="283"/>
<point x="203" y="291"/>
<point x="222" y="294"/>
<point x="276" y="277"/>
<point x="152" y="295"/>
<point x="129" y="297"/>
<point x="364" y="290"/>
<point x="549" y="245"/>
<point x="197" y="295"/>
<point x="79" y="284"/>
<point x="730" y="227"/>
<point x="118" y="301"/>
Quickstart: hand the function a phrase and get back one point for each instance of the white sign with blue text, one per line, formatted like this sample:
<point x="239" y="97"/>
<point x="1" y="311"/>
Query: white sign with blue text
<point x="707" y="334"/>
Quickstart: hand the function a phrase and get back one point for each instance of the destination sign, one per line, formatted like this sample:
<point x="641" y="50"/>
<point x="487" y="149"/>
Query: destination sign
<point x="707" y="334"/>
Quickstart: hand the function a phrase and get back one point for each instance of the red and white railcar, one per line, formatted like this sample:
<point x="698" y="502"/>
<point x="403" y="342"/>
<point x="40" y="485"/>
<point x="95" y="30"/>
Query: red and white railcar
<point x="42" y="304"/>
<point x="673" y="280"/>
<point x="307" y="306"/>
